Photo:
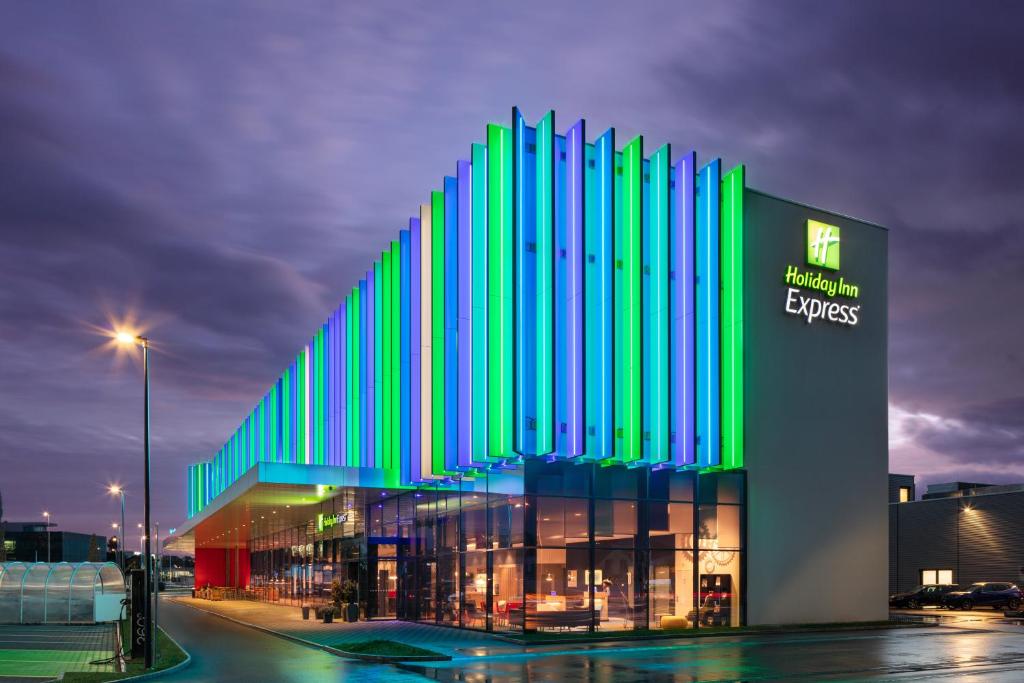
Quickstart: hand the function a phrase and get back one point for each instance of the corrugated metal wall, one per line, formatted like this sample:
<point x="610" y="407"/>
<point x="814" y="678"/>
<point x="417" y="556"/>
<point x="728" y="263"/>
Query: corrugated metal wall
<point x="981" y="538"/>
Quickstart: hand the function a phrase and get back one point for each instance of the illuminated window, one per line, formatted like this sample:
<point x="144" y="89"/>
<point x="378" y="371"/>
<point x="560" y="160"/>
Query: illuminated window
<point x="931" y="577"/>
<point x="904" y="494"/>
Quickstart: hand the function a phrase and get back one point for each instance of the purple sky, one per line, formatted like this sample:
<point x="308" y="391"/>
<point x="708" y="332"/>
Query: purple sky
<point x="225" y="174"/>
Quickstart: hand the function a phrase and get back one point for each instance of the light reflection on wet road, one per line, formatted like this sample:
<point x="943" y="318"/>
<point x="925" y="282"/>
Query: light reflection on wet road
<point x="990" y="651"/>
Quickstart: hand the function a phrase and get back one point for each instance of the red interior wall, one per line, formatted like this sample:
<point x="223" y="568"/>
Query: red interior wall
<point x="211" y="567"/>
<point x="216" y="567"/>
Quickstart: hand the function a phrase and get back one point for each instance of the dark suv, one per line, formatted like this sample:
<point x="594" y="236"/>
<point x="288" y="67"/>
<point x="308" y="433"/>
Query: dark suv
<point x="922" y="596"/>
<point x="994" y="595"/>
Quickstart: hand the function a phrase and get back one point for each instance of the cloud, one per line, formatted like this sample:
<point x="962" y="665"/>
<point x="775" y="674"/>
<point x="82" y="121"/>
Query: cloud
<point x="229" y="171"/>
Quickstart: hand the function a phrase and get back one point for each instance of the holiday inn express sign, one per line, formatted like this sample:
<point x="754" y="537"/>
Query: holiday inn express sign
<point x="832" y="299"/>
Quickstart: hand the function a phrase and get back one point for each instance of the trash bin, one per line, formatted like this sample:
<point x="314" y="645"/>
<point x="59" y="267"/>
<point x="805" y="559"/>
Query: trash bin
<point x="305" y="612"/>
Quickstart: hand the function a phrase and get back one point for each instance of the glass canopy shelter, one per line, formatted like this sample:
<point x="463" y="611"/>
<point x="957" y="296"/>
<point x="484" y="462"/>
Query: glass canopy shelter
<point x="60" y="592"/>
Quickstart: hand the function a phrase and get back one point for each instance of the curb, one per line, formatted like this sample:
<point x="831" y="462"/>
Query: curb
<point x="385" y="659"/>
<point x="696" y="633"/>
<point x="163" y="672"/>
<point x="380" y="659"/>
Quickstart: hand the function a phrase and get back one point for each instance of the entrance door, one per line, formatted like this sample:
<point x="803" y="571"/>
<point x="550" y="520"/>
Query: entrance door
<point x="384" y="589"/>
<point x="426" y="577"/>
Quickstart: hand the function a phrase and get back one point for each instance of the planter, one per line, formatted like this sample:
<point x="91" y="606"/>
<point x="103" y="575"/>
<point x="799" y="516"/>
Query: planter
<point x="328" y="616"/>
<point x="305" y="612"/>
<point x="352" y="612"/>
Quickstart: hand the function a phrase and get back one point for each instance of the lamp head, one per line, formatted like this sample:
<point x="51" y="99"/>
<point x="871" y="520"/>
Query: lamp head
<point x="126" y="338"/>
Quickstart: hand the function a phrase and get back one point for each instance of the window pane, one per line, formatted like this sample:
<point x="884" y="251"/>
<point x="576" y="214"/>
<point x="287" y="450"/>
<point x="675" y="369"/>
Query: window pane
<point x="616" y="482"/>
<point x="550" y="521"/>
<point x="615" y="523"/>
<point x="945" y="576"/>
<point x="560" y="598"/>
<point x="506" y="521"/>
<point x="615" y="596"/>
<point x="508" y="590"/>
<point x="671" y="485"/>
<point x="671" y="524"/>
<point x="928" y="577"/>
<point x="720" y="526"/>
<point x="671" y="589"/>
<point x="719" y="598"/>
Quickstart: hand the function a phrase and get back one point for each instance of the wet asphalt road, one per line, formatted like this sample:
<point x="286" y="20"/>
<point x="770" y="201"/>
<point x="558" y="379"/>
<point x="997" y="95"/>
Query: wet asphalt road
<point x="981" y="651"/>
<point x="223" y="651"/>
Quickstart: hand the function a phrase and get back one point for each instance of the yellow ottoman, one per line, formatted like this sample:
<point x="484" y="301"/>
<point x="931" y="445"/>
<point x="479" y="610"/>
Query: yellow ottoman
<point x="669" y="621"/>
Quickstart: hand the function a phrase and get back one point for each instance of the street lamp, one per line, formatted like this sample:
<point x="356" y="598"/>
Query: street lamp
<point x="126" y="338"/>
<point x="46" y="516"/>
<point x="116" y="490"/>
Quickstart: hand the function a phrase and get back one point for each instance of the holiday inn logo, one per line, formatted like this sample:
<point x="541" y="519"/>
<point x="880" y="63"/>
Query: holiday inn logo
<point x="814" y="295"/>
<point x="822" y="245"/>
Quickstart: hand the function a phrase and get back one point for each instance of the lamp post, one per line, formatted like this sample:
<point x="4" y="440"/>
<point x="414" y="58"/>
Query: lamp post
<point x="127" y="338"/>
<point x="46" y="516"/>
<point x="116" y="490"/>
<point x="156" y="599"/>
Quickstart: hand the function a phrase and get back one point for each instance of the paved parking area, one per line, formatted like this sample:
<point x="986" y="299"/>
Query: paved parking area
<point x="44" y="651"/>
<point x="288" y="621"/>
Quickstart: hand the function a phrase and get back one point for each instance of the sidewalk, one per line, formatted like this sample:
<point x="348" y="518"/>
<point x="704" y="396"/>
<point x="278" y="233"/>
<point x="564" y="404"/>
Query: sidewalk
<point x="288" y="621"/>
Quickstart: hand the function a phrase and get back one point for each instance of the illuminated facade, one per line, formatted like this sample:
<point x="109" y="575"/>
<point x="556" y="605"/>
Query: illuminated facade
<point x="529" y="407"/>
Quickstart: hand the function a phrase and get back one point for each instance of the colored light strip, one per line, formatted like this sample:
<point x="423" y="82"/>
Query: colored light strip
<point x="391" y="466"/>
<point x="524" y="265"/>
<point x="404" y="355"/>
<point x="574" y="314"/>
<point x="378" y="363"/>
<point x="631" y="312"/>
<point x="387" y="340"/>
<point x="479" y="296"/>
<point x="600" y="279"/>
<point x="426" y="345"/>
<point x="499" y="290"/>
<point x="708" y="283"/>
<point x="415" y="357"/>
<point x="451" y="322"/>
<point x="544" y="232"/>
<point x="464" y="331"/>
<point x="371" y="369"/>
<point x="561" y="302"/>
<point x="656" y="406"/>
<point x="437" y="325"/>
<point x="733" y="187"/>
<point x="363" y="387"/>
<point x="683" y="300"/>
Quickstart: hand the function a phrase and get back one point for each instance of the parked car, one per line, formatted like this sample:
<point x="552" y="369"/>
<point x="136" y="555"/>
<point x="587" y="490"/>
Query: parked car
<point x="923" y="596"/>
<point x="994" y="595"/>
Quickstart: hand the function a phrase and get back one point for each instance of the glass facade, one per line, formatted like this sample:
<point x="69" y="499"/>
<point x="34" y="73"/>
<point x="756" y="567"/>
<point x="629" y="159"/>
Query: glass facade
<point x="560" y="545"/>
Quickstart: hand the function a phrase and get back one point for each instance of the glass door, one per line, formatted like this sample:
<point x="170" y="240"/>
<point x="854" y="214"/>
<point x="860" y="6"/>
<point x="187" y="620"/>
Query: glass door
<point x="384" y="589"/>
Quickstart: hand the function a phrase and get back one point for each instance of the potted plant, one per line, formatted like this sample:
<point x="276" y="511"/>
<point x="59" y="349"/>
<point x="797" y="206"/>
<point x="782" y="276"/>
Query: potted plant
<point x="343" y="595"/>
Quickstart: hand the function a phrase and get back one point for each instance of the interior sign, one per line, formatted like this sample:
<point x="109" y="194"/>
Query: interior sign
<point x="811" y="294"/>
<point x="327" y="521"/>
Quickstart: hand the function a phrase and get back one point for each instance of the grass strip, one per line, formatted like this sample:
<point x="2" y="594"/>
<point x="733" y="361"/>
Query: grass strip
<point x="385" y="648"/>
<point x="168" y="654"/>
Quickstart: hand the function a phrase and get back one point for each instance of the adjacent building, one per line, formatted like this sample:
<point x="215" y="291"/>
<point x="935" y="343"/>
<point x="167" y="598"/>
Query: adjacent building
<point x="28" y="542"/>
<point x="591" y="385"/>
<point x="958" y="532"/>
